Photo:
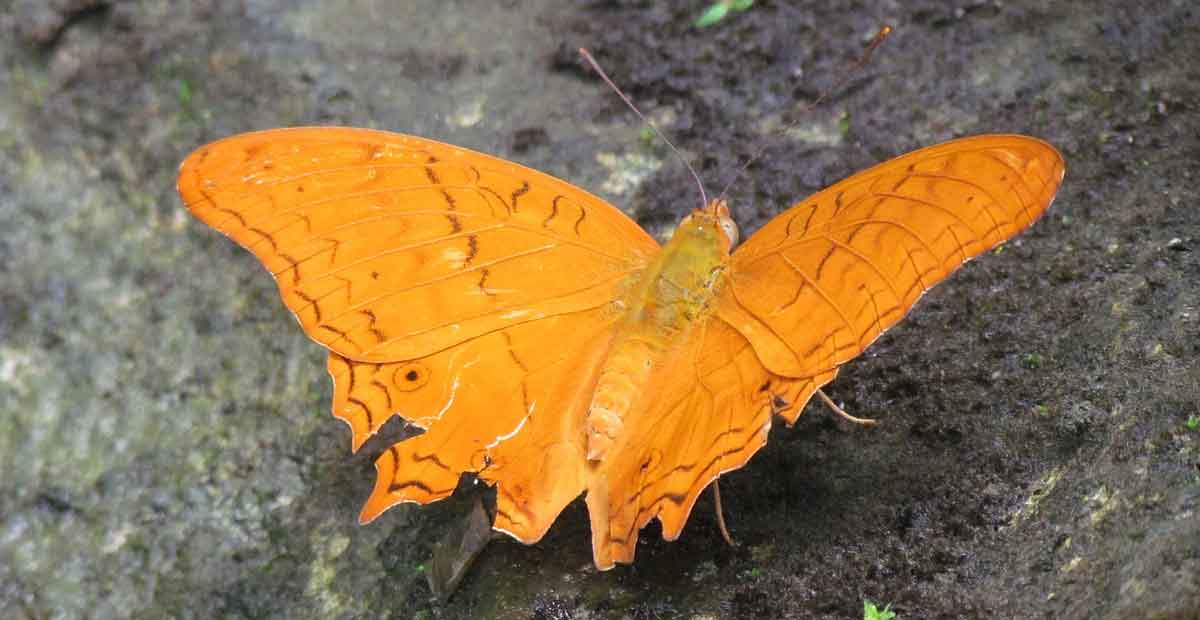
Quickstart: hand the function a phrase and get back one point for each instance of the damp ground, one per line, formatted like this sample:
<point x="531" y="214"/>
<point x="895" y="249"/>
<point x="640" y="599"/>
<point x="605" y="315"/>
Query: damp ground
<point x="165" y="443"/>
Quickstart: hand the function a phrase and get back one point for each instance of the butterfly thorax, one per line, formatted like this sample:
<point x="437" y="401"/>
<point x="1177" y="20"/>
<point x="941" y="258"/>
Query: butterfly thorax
<point x="662" y="306"/>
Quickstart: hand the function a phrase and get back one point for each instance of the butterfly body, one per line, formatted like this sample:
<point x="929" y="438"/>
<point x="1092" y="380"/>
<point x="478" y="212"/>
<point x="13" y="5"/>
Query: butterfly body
<point x="546" y="344"/>
<point x="664" y="303"/>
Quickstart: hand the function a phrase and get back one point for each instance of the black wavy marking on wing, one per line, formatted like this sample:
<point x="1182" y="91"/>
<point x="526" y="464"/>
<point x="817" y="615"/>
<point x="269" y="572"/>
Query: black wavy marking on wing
<point x="517" y="193"/>
<point x="398" y="484"/>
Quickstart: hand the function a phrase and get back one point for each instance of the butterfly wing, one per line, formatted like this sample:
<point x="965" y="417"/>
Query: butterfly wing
<point x="437" y="277"/>
<point x="808" y="292"/>
<point x="705" y="413"/>
<point x="504" y="405"/>
<point x="817" y="284"/>
<point x="389" y="247"/>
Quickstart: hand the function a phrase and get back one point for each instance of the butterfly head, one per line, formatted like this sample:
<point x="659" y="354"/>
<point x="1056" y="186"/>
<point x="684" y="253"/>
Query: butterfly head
<point x="715" y="218"/>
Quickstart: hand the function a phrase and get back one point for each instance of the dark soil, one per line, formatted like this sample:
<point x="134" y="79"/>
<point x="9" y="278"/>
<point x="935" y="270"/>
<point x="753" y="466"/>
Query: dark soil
<point x="165" y="443"/>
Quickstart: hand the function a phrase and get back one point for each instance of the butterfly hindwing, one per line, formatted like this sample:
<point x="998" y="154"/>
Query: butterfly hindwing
<point x="706" y="412"/>
<point x="503" y="406"/>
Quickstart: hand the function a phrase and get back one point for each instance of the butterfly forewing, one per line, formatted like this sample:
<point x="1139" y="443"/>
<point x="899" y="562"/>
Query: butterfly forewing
<point x="388" y="247"/>
<point x="817" y="284"/>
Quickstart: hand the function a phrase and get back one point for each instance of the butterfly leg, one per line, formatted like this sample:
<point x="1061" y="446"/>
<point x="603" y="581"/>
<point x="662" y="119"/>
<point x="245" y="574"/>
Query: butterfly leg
<point x="720" y="515"/>
<point x="838" y="410"/>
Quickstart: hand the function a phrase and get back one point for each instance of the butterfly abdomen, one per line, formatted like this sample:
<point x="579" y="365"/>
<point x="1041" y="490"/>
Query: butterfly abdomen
<point x="625" y="374"/>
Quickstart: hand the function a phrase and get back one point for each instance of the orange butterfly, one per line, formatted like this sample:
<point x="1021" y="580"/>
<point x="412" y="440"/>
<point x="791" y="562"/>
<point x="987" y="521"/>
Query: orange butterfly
<point x="547" y="344"/>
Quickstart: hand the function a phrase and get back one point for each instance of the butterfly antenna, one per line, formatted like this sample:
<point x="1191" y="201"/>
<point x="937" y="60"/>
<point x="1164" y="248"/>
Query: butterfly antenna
<point x="604" y="76"/>
<point x="883" y="33"/>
